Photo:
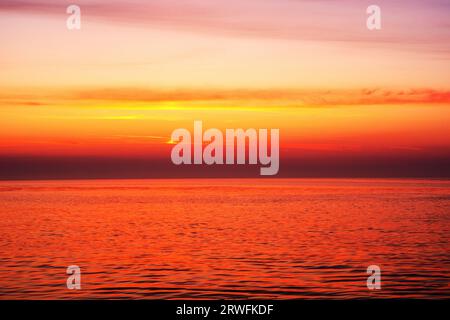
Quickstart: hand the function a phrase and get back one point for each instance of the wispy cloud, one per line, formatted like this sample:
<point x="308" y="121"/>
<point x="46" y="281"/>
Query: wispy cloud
<point x="413" y="24"/>
<point x="236" y="97"/>
<point x="302" y="97"/>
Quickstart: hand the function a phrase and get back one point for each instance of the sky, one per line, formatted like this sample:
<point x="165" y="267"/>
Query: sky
<point x="102" y="101"/>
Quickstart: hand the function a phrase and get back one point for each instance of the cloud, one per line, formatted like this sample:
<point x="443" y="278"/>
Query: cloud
<point x="413" y="24"/>
<point x="233" y="98"/>
<point x="297" y="96"/>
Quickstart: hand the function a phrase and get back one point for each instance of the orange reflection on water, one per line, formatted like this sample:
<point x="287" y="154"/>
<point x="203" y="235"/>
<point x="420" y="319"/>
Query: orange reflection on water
<point x="224" y="238"/>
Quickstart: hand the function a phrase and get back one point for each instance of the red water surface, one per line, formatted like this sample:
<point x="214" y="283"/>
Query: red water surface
<point x="224" y="238"/>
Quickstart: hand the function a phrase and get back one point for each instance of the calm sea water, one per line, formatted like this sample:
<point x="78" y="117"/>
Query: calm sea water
<point x="282" y="239"/>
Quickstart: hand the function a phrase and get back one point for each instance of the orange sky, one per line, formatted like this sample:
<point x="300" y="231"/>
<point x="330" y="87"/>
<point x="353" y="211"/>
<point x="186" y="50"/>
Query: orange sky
<point x="138" y="70"/>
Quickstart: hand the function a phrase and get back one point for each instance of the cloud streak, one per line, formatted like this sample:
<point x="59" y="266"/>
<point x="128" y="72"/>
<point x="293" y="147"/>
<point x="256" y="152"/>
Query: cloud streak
<point x="284" y="97"/>
<point x="412" y="24"/>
